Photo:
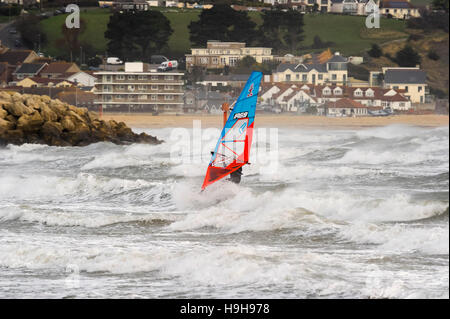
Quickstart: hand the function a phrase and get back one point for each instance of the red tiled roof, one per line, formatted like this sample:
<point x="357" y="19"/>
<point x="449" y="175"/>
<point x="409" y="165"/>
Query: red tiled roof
<point x="345" y="103"/>
<point x="57" y="67"/>
<point x="15" y="57"/>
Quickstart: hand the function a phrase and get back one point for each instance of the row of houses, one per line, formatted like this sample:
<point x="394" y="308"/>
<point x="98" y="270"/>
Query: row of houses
<point x="297" y="98"/>
<point x="145" y="5"/>
<point x="400" y="9"/>
<point x="316" y="69"/>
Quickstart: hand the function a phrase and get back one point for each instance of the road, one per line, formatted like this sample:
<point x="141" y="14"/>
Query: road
<point x="9" y="39"/>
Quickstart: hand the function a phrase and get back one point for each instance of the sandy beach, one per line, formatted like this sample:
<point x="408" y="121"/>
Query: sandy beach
<point x="146" y="120"/>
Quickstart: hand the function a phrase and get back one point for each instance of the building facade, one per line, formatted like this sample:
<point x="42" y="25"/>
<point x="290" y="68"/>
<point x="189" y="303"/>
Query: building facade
<point x="332" y="71"/>
<point x="399" y="9"/>
<point x="412" y="80"/>
<point x="219" y="54"/>
<point x="139" y="88"/>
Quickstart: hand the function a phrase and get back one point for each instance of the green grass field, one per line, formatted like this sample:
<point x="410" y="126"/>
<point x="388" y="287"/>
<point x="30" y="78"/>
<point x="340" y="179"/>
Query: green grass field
<point x="347" y="32"/>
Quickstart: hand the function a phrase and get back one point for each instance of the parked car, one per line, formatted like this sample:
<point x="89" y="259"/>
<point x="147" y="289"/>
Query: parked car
<point x="113" y="60"/>
<point x="12" y="31"/>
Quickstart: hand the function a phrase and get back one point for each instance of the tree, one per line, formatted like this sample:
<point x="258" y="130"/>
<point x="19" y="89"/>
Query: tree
<point x="316" y="7"/>
<point x="440" y="5"/>
<point x="407" y="57"/>
<point x="137" y="34"/>
<point x="94" y="61"/>
<point x="433" y="55"/>
<point x="375" y="51"/>
<point x="31" y="31"/>
<point x="222" y="23"/>
<point x="282" y="30"/>
<point x="71" y="37"/>
<point x="196" y="74"/>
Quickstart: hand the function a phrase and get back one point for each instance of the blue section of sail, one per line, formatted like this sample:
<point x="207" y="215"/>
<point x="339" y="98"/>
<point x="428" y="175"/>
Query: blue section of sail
<point x="244" y="107"/>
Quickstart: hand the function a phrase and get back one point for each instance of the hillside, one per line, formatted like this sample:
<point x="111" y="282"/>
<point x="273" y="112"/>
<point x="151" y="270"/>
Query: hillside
<point x="437" y="71"/>
<point x="347" y="32"/>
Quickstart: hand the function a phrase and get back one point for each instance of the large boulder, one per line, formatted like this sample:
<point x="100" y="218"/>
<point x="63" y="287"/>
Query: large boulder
<point x="17" y="108"/>
<point x="47" y="114"/>
<point x="3" y="112"/>
<point x="30" y="123"/>
<point x="4" y="124"/>
<point x="67" y="123"/>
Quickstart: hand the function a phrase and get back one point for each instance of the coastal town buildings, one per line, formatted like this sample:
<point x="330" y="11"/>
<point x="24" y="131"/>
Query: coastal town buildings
<point x="298" y="97"/>
<point x="219" y="54"/>
<point x="319" y="70"/>
<point x="400" y="9"/>
<point x="139" y="88"/>
<point x="412" y="80"/>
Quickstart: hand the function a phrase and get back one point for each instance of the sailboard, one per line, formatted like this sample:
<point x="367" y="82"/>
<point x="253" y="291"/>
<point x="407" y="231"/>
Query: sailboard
<point x="233" y="147"/>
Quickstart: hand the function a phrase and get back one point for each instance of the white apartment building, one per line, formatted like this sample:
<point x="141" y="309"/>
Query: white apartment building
<point x="139" y="88"/>
<point x="218" y="54"/>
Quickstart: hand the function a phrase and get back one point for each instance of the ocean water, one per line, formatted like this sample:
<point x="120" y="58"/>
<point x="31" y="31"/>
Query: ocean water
<point x="327" y="214"/>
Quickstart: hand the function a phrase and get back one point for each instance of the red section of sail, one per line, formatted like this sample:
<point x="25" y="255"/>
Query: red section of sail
<point x="215" y="173"/>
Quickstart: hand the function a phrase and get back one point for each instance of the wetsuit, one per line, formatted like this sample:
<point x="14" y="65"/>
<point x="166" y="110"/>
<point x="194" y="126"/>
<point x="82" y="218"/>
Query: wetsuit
<point x="235" y="177"/>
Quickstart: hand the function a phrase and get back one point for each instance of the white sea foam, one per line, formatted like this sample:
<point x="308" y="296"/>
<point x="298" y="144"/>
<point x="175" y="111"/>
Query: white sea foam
<point x="345" y="214"/>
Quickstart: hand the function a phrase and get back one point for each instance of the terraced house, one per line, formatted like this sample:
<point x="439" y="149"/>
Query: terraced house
<point x="139" y="88"/>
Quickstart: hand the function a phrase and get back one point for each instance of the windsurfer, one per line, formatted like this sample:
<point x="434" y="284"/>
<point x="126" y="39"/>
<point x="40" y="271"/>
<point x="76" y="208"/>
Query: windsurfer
<point x="235" y="177"/>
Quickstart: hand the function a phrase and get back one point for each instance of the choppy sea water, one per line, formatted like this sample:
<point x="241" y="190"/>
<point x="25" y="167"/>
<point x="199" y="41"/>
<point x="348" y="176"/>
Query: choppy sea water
<point x="344" y="214"/>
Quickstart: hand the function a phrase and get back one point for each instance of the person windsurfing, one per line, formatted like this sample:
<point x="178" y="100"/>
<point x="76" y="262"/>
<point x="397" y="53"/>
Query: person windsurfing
<point x="233" y="147"/>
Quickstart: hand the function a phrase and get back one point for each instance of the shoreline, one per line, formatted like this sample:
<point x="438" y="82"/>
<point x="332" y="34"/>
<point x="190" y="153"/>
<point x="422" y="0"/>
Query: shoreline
<point x="146" y="120"/>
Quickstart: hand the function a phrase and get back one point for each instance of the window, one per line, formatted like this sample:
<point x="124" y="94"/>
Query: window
<point x="154" y="97"/>
<point x="154" y="77"/>
<point x="120" y="77"/>
<point x="168" y="97"/>
<point x="395" y="87"/>
<point x="304" y="77"/>
<point x="288" y="77"/>
<point x="121" y="87"/>
<point x="320" y="76"/>
<point x="406" y="88"/>
<point x="142" y="87"/>
<point x="168" y="87"/>
<point x="333" y="77"/>
<point x="154" y="87"/>
<point x="204" y="60"/>
<point x="142" y="77"/>
<point x="131" y="77"/>
<point x="142" y="97"/>
<point x="419" y="89"/>
<point x="358" y="93"/>
<point x="131" y="88"/>
<point x="297" y="76"/>
<point x="168" y="77"/>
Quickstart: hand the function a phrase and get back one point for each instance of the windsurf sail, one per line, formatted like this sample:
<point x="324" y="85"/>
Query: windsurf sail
<point x="233" y="148"/>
